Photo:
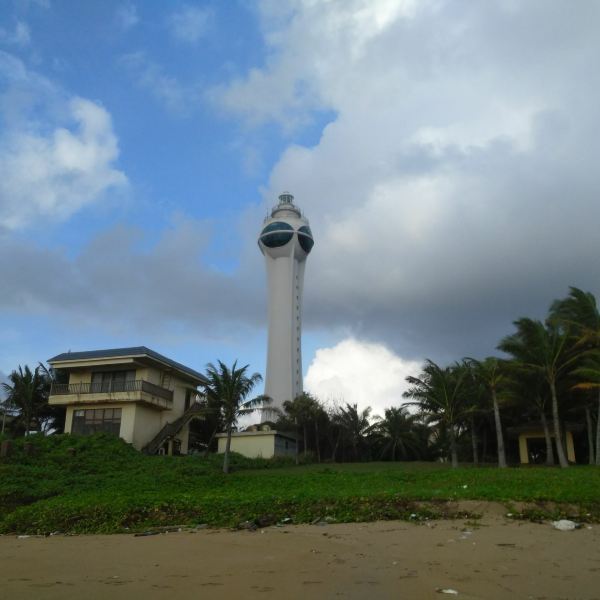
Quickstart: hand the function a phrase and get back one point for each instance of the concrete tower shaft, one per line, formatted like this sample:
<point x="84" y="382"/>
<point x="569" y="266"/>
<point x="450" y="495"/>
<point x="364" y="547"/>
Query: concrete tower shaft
<point x="285" y="241"/>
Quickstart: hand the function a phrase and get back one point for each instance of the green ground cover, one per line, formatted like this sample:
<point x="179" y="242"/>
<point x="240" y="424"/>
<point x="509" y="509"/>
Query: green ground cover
<point x="106" y="486"/>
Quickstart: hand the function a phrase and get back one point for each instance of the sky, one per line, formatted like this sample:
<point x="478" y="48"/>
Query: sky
<point x="445" y="153"/>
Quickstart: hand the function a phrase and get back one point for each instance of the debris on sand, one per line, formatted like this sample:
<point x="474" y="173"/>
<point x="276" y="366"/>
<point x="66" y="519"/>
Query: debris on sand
<point x="565" y="525"/>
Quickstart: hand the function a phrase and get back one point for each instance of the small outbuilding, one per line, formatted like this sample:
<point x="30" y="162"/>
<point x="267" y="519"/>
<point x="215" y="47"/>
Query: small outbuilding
<point x="532" y="443"/>
<point x="259" y="441"/>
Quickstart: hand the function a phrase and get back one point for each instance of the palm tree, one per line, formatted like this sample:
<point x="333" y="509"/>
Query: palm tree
<point x="524" y="387"/>
<point x="588" y="378"/>
<point x="353" y="425"/>
<point x="398" y="432"/>
<point x="545" y="350"/>
<point x="27" y="393"/>
<point x="228" y="389"/>
<point x="438" y="394"/>
<point x="5" y="409"/>
<point x="302" y="410"/>
<point x="490" y="375"/>
<point x="579" y="313"/>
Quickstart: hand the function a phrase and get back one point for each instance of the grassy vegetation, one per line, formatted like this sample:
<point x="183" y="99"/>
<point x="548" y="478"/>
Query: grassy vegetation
<point x="106" y="486"/>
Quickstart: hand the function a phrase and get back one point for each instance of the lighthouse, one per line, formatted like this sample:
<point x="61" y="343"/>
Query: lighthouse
<point x="285" y="241"/>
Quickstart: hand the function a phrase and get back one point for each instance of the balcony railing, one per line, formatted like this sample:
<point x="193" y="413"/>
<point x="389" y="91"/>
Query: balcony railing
<point x="137" y="385"/>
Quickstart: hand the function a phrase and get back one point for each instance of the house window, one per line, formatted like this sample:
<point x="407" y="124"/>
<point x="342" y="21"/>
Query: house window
<point x="112" y="381"/>
<point x="188" y="398"/>
<point x="86" y="422"/>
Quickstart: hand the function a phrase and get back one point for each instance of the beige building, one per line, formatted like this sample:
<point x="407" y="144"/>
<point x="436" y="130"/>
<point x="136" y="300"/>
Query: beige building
<point x="259" y="441"/>
<point x="532" y="441"/>
<point x="145" y="398"/>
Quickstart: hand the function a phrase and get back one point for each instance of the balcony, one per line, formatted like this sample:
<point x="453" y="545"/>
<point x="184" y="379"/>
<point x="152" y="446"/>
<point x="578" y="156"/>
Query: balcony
<point x="136" y="390"/>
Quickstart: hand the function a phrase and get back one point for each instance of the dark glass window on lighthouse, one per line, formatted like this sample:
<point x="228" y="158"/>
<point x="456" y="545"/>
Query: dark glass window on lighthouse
<point x="276" y="234"/>
<point x="305" y="238"/>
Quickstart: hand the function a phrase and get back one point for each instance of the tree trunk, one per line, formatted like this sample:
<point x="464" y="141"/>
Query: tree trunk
<point x="598" y="432"/>
<point x="305" y="439"/>
<point x="562" y="459"/>
<point x="453" y="450"/>
<point x="227" y="448"/>
<point x="499" y="435"/>
<point x="484" y="451"/>
<point x="549" y="449"/>
<point x="297" y="441"/>
<point x="590" y="435"/>
<point x="474" y="442"/>
<point x="3" y="418"/>
<point x="335" y="447"/>
<point x="317" y="440"/>
<point x="210" y="441"/>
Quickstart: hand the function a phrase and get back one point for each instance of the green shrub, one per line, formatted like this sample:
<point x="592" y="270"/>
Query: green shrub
<point x="101" y="484"/>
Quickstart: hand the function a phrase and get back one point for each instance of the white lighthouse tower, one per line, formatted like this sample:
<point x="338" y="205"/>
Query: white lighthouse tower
<point x="285" y="240"/>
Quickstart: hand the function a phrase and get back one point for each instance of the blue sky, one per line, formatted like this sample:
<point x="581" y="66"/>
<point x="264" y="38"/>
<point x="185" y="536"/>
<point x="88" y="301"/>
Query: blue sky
<point x="443" y="152"/>
<point x="182" y="158"/>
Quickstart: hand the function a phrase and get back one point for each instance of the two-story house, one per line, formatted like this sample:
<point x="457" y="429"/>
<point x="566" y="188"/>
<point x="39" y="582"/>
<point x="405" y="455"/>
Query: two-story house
<point x="145" y="398"/>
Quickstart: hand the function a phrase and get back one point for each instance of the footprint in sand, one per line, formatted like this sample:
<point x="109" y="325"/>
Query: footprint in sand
<point x="257" y="588"/>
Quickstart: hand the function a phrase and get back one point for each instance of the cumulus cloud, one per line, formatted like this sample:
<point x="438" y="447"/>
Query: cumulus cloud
<point x="455" y="189"/>
<point x="189" y="24"/>
<point x="361" y="373"/>
<point x="3" y="379"/>
<point x="57" y="153"/>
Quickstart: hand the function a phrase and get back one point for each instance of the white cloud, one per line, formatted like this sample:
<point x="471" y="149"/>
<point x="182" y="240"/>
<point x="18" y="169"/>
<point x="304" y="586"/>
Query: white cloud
<point x="57" y="153"/>
<point x="127" y="16"/>
<point x="20" y="36"/>
<point x="189" y="24"/>
<point x="359" y="372"/>
<point x="447" y="194"/>
<point x="3" y="379"/>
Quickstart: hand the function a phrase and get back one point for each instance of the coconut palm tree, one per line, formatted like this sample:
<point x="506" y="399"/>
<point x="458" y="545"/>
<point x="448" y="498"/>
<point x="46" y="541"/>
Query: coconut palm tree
<point x="490" y="375"/>
<point x="526" y="388"/>
<point x="398" y="431"/>
<point x="438" y="393"/>
<point x="544" y="349"/>
<point x="5" y="404"/>
<point x="302" y="410"/>
<point x="27" y="393"/>
<point x="587" y="376"/>
<point x="579" y="313"/>
<point x="228" y="389"/>
<point x="353" y="426"/>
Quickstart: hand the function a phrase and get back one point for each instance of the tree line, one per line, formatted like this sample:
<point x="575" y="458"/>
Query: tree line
<point x="549" y="372"/>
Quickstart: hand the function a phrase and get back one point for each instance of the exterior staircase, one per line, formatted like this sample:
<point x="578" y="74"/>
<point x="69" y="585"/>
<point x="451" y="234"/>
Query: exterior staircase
<point x="170" y="430"/>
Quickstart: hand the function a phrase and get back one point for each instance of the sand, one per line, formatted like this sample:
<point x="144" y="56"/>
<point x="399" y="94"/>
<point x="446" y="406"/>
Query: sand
<point x="499" y="558"/>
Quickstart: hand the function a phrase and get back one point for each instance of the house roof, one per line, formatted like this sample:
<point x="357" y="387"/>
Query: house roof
<point x="532" y="426"/>
<point x="269" y="432"/>
<point x="136" y="351"/>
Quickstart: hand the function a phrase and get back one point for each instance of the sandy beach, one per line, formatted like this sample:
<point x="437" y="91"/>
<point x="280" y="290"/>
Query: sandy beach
<point x="498" y="558"/>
